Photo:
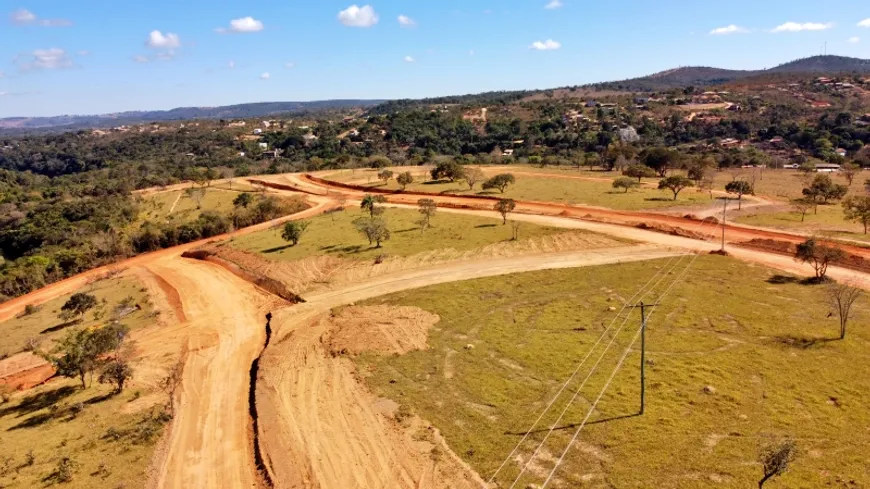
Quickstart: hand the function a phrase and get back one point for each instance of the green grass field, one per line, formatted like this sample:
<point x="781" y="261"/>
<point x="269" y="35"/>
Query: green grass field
<point x="828" y="222"/>
<point x="45" y="326"/>
<point x="759" y="340"/>
<point x="336" y="235"/>
<point x="156" y="207"/>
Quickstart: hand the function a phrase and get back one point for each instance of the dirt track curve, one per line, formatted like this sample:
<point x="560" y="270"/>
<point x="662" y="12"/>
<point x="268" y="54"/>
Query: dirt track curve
<point x="318" y="426"/>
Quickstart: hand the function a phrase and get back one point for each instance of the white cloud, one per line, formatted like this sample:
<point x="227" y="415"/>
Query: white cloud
<point x="355" y="16"/>
<point x="864" y="23"/>
<point x="3" y="94"/>
<point x="409" y="59"/>
<point x="84" y="52"/>
<point x="22" y="16"/>
<point x="47" y="59"/>
<point x="406" y="21"/>
<point x="158" y="40"/>
<point x="140" y="59"/>
<point x="231" y="65"/>
<point x="25" y="17"/>
<point x="554" y="4"/>
<point x="265" y="76"/>
<point x="806" y="26"/>
<point x="854" y="40"/>
<point x="290" y="66"/>
<point x="548" y="45"/>
<point x="243" y="25"/>
<point x="729" y="29"/>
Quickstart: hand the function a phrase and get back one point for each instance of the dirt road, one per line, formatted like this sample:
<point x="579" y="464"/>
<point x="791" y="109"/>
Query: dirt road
<point x="315" y="412"/>
<point x="209" y="444"/>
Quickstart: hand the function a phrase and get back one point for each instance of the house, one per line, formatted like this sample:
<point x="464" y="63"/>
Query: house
<point x="729" y="143"/>
<point x="827" y="167"/>
<point x="819" y="105"/>
<point x="508" y="152"/>
<point x="236" y="124"/>
<point x="257" y="132"/>
<point x="266" y="124"/>
<point x="840" y="151"/>
<point x="273" y="154"/>
<point x="264" y="146"/>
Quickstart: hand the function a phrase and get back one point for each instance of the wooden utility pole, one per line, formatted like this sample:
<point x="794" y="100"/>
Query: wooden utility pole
<point x="643" y="308"/>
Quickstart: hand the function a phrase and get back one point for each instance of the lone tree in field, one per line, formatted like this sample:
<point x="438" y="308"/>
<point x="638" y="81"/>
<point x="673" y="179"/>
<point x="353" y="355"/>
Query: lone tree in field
<point x="370" y="204"/>
<point x="473" y="176"/>
<point x="404" y="179"/>
<point x="196" y="194"/>
<point x="427" y="209"/>
<point x="626" y="183"/>
<point x="802" y="206"/>
<point x="776" y="459"/>
<point x="850" y="171"/>
<point x="639" y="171"/>
<point x="79" y="304"/>
<point x="660" y="159"/>
<point x="82" y="352"/>
<point x="293" y="231"/>
<point x="375" y="230"/>
<point x="741" y="188"/>
<point x="500" y="182"/>
<point x="385" y="176"/>
<point x="118" y="371"/>
<point x="842" y="297"/>
<point x="857" y="208"/>
<point x="450" y="170"/>
<point x="819" y="256"/>
<point x="676" y="184"/>
<point x="822" y="190"/>
<point x="243" y="200"/>
<point x="505" y="207"/>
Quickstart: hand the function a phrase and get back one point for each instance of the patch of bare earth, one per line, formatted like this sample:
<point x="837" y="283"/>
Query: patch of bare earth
<point x="319" y="273"/>
<point x="380" y="329"/>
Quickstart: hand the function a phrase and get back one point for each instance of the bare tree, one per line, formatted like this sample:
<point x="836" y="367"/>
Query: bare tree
<point x="472" y="176"/>
<point x="171" y="382"/>
<point x="196" y="194"/>
<point x="842" y="297"/>
<point x="802" y="206"/>
<point x="776" y="459"/>
<point x="515" y="227"/>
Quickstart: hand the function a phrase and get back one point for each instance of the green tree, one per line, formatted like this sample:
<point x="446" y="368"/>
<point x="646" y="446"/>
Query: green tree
<point x="81" y="352"/>
<point x="293" y="231"/>
<point x="741" y="188"/>
<point x="427" y="209"/>
<point x="370" y="203"/>
<point x="626" y="183"/>
<point x="819" y="256"/>
<point x="243" y="200"/>
<point x="505" y="207"/>
<point x="639" y="172"/>
<point x="450" y="170"/>
<point x="676" y="184"/>
<point x="857" y="208"/>
<point x="404" y="179"/>
<point x="536" y="160"/>
<point x="775" y="460"/>
<point x="78" y="304"/>
<point x="374" y="229"/>
<point x="660" y="159"/>
<point x="385" y="176"/>
<point x="823" y="190"/>
<point x="117" y="371"/>
<point x="500" y="182"/>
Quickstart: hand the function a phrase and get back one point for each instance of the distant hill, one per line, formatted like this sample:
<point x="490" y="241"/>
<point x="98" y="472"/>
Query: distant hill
<point x="241" y="111"/>
<point x="706" y="76"/>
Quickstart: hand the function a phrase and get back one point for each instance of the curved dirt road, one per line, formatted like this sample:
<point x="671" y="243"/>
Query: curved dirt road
<point x="209" y="443"/>
<point x="314" y="411"/>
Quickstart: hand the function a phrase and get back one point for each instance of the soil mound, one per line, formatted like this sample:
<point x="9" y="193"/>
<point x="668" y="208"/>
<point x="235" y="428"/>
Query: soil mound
<point x="379" y="329"/>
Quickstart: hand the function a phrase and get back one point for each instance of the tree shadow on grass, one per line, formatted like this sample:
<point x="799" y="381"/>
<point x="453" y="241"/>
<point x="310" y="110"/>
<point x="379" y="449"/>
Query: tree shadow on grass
<point x="40" y="401"/>
<point x="61" y="326"/>
<point x="482" y="226"/>
<point x="402" y="231"/>
<point x="782" y="280"/>
<point x="659" y="199"/>
<point x="278" y="248"/>
<point x="802" y="342"/>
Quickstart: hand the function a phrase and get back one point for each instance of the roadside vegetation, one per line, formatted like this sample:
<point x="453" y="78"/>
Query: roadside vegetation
<point x="751" y="370"/>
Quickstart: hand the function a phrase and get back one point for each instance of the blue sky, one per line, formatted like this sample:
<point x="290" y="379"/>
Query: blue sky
<point x="101" y="56"/>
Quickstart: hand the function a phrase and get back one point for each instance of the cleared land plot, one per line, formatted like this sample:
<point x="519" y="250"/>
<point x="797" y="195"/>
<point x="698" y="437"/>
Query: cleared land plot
<point x="567" y="191"/>
<point x="828" y="222"/>
<point x="44" y="326"/>
<point x="157" y="207"/>
<point x="737" y="355"/>
<point x="335" y="235"/>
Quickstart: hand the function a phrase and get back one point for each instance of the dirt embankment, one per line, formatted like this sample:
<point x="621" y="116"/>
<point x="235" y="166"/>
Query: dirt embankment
<point x="266" y="283"/>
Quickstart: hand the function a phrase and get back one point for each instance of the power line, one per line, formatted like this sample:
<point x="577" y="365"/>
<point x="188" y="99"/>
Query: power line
<point x="609" y="381"/>
<point x="577" y="370"/>
<point x="583" y="384"/>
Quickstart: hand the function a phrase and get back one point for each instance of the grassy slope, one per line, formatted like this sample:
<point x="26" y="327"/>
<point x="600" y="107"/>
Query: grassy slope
<point x="43" y="420"/>
<point x="156" y="207"/>
<point x="726" y="326"/>
<point x="44" y="325"/>
<point x="335" y="234"/>
<point x="829" y="222"/>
